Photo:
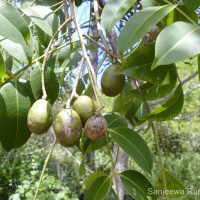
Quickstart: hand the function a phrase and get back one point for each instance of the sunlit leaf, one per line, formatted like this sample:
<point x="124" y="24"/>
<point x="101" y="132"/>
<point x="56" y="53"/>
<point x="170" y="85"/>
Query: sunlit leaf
<point x="23" y="53"/>
<point x="113" y="11"/>
<point x="137" y="185"/>
<point x="134" y="145"/>
<point x="140" y="24"/>
<point x="13" y="25"/>
<point x="15" y="104"/>
<point x="2" y="68"/>
<point x="177" y="42"/>
<point x="43" y="17"/>
<point x="169" y="109"/>
<point x="99" y="189"/>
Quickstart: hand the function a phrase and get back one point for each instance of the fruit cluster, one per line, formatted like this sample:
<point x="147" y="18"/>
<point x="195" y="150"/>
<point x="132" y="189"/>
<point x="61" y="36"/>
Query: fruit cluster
<point x="69" y="123"/>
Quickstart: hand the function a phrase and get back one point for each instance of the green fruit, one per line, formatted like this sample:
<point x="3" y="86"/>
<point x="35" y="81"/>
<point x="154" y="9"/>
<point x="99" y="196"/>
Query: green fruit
<point x="67" y="127"/>
<point x="40" y="117"/>
<point x="96" y="127"/>
<point x="111" y="83"/>
<point x="85" y="107"/>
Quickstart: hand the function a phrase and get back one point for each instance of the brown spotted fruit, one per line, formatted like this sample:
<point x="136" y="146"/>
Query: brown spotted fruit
<point x="40" y="117"/>
<point x="85" y="107"/>
<point x="111" y="82"/>
<point x="96" y="127"/>
<point x="67" y="127"/>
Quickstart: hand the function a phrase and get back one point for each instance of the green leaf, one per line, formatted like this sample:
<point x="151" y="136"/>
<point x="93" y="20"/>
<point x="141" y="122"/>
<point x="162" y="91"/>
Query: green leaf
<point x="169" y="109"/>
<point x="140" y="24"/>
<point x="134" y="145"/>
<point x="113" y="11"/>
<point x="51" y="84"/>
<point x="15" y="100"/>
<point x="13" y="25"/>
<point x="175" y="186"/>
<point x="180" y="15"/>
<point x="138" y="65"/>
<point x="177" y="42"/>
<point x="89" y="180"/>
<point x="43" y="37"/>
<point x="82" y="168"/>
<point x="122" y="103"/>
<point x="152" y="92"/>
<point x="192" y="4"/>
<point x="198" y="62"/>
<point x="99" y="189"/>
<point x="137" y="185"/>
<point x="43" y="17"/>
<point x="23" y="53"/>
<point x="2" y="69"/>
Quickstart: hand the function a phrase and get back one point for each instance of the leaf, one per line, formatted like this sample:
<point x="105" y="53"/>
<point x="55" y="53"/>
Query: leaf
<point x="122" y="103"/>
<point x="192" y="4"/>
<point x="138" y="65"/>
<point x="134" y="145"/>
<point x="23" y="53"/>
<point x="13" y="25"/>
<point x="43" y="17"/>
<point x="140" y="24"/>
<point x="175" y="186"/>
<point x="176" y="42"/>
<point x="2" y="69"/>
<point x="99" y="189"/>
<point x="152" y="92"/>
<point x="169" y="109"/>
<point x="113" y="11"/>
<point x="89" y="180"/>
<point x="137" y="185"/>
<point x="82" y="170"/>
<point x="15" y="104"/>
<point x="51" y="84"/>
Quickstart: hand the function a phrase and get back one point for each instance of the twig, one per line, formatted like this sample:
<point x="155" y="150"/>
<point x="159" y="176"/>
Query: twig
<point x="74" y="94"/>
<point x="102" y="47"/>
<point x="155" y="137"/>
<point x="99" y="28"/>
<point x="46" y="56"/>
<point x="89" y="65"/>
<point x="44" y="168"/>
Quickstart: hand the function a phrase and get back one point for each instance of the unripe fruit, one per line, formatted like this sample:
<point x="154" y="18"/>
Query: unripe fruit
<point x="85" y="107"/>
<point x="40" y="117"/>
<point x="111" y="83"/>
<point x="67" y="127"/>
<point x="96" y="127"/>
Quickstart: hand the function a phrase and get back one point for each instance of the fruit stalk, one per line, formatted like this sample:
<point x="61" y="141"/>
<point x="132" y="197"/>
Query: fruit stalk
<point x="89" y="65"/>
<point x="46" y="56"/>
<point x="44" y="168"/>
<point x="74" y="94"/>
<point x="155" y="136"/>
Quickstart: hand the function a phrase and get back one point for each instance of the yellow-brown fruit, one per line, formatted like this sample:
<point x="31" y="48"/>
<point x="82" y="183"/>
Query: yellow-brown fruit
<point x="85" y="107"/>
<point x="67" y="127"/>
<point x="111" y="83"/>
<point x="40" y="117"/>
<point x="96" y="127"/>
